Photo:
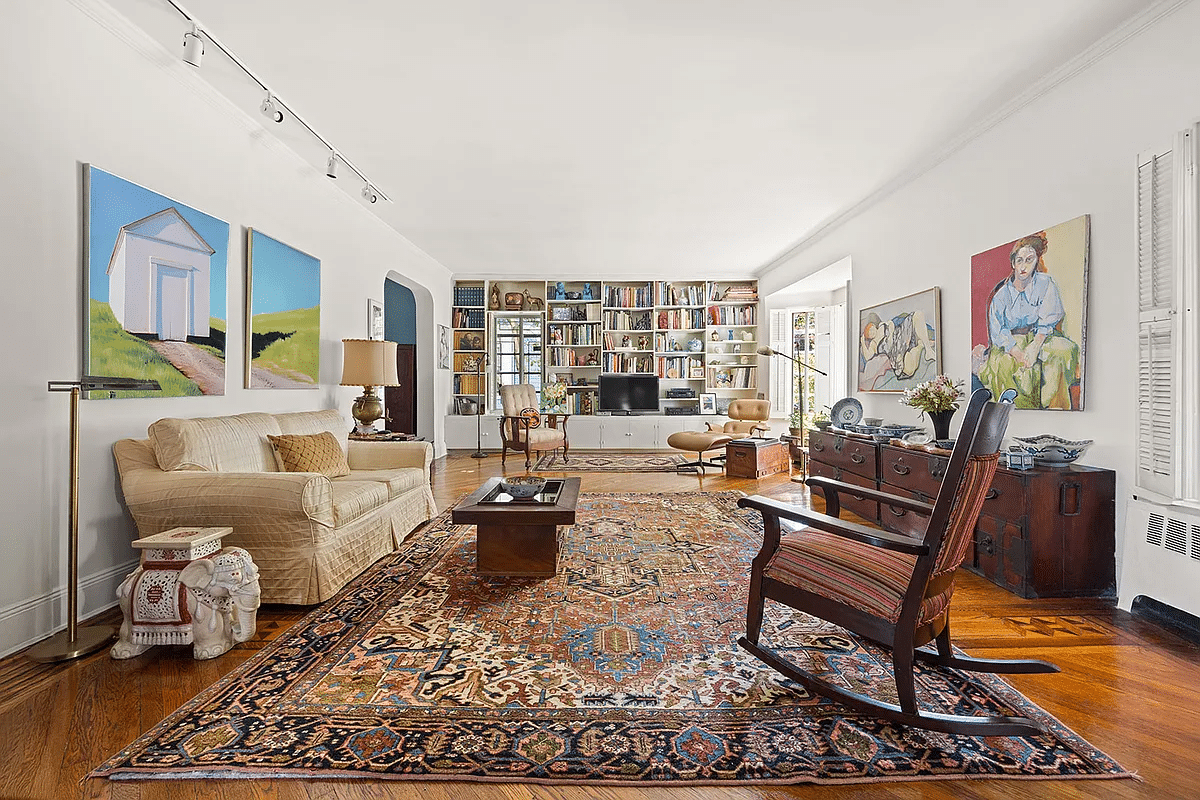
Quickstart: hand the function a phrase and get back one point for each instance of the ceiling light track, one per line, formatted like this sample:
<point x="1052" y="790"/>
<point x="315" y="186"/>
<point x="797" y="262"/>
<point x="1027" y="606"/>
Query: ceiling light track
<point x="272" y="107"/>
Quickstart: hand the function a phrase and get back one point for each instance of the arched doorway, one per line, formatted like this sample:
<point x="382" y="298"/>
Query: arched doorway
<point x="400" y="326"/>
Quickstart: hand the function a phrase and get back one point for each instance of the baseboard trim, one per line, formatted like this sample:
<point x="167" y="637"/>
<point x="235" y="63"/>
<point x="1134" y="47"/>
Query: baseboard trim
<point x="31" y="620"/>
<point x="1173" y="619"/>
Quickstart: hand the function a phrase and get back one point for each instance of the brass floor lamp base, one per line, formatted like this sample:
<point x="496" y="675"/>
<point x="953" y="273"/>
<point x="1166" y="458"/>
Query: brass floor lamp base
<point x="59" y="647"/>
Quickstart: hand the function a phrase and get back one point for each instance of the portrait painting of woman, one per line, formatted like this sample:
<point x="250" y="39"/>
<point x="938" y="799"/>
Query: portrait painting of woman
<point x="1028" y="317"/>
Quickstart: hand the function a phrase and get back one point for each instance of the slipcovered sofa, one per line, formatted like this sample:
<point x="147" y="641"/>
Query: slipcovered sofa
<point x="307" y="533"/>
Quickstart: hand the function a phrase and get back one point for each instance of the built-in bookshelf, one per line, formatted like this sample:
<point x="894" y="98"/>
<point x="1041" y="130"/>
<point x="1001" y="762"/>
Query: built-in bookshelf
<point x="697" y="336"/>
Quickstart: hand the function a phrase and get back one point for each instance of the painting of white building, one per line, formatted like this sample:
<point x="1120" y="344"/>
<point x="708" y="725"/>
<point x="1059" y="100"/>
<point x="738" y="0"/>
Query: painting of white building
<point x="158" y="277"/>
<point x="155" y="284"/>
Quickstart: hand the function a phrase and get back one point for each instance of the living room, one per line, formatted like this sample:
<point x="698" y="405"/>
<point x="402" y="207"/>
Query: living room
<point x="95" y="83"/>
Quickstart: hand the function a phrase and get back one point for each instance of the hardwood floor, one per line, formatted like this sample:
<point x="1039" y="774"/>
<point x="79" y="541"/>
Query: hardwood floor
<point x="1130" y="688"/>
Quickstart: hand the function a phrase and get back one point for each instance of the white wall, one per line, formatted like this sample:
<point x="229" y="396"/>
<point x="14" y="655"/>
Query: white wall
<point x="76" y="91"/>
<point x="1070" y="152"/>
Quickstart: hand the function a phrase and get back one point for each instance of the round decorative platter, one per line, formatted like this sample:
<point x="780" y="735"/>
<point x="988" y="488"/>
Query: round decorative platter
<point x="847" y="411"/>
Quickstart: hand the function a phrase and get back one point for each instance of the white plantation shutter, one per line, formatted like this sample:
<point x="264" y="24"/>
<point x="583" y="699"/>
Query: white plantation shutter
<point x="1164" y="371"/>
<point x="780" y="367"/>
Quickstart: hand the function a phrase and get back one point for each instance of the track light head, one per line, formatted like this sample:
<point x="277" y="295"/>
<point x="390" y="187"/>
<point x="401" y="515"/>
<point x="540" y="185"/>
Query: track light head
<point x="331" y="166"/>
<point x="369" y="194"/>
<point x="193" y="47"/>
<point x="271" y="108"/>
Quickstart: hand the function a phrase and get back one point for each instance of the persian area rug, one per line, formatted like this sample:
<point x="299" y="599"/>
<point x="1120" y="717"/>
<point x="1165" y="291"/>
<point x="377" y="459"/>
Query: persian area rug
<point x="622" y="669"/>
<point x="609" y="461"/>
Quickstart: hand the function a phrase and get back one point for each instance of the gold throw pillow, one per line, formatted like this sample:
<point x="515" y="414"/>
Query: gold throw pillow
<point x="320" y="452"/>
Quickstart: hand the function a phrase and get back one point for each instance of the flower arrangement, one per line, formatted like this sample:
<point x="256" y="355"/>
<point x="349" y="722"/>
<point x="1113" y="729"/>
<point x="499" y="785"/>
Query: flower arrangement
<point x="937" y="394"/>
<point x="796" y="419"/>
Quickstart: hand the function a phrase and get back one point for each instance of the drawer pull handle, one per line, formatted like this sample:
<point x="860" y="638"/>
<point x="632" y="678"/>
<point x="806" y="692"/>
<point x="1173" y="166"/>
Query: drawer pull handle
<point x="898" y="512"/>
<point x="1077" y="490"/>
<point x="857" y="458"/>
<point x="901" y="469"/>
<point x="858" y="497"/>
<point x="992" y="494"/>
<point x="988" y="545"/>
<point x="820" y="448"/>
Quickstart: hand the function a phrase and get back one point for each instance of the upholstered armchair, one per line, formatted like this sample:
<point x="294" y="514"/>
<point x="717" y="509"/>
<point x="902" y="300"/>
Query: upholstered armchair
<point x="524" y="427"/>
<point x="746" y="418"/>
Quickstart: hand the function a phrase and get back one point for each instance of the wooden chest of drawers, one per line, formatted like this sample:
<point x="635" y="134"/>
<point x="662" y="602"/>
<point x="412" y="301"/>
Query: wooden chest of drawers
<point x="1045" y="532"/>
<point x="755" y="458"/>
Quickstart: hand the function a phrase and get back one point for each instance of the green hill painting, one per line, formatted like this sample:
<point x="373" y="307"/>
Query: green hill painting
<point x="283" y="312"/>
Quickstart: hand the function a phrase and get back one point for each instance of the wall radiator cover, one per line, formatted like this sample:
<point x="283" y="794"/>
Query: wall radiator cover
<point x="1164" y="542"/>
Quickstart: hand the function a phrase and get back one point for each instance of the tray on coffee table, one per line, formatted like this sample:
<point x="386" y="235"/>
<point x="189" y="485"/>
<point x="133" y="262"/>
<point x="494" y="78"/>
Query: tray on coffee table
<point x="548" y="496"/>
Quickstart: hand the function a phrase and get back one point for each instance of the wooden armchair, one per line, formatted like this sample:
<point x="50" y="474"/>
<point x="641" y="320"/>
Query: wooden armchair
<point x="521" y="425"/>
<point x="889" y="588"/>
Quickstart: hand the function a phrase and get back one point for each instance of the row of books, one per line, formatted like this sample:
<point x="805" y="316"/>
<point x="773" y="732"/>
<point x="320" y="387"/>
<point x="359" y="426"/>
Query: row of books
<point x="628" y="362"/>
<point x="468" y="384"/>
<point x="726" y="378"/>
<point x="574" y="334"/>
<point x="628" y="296"/>
<point x="467" y="317"/>
<point x="565" y="357"/>
<point x="468" y="296"/>
<point x="671" y="295"/>
<point x="678" y="318"/>
<point x="627" y="320"/>
<point x="732" y="315"/>
<point x="679" y="367"/>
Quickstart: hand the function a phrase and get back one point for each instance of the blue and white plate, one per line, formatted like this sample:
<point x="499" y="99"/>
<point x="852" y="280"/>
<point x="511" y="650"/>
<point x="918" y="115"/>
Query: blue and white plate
<point x="846" y="411"/>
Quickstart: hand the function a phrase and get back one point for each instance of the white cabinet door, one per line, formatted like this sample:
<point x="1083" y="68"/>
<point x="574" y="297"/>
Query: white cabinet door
<point x="669" y="425"/>
<point x="583" y="432"/>
<point x="461" y="432"/>
<point x="629" y="433"/>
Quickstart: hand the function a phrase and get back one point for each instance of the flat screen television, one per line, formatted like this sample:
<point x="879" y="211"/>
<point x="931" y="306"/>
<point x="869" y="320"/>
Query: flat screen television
<point x="628" y="393"/>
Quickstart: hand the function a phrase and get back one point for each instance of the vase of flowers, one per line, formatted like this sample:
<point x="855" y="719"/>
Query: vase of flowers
<point x="938" y="398"/>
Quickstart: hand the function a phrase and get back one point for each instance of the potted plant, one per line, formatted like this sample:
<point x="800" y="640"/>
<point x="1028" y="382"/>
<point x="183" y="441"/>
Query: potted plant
<point x="938" y="397"/>
<point x="795" y="422"/>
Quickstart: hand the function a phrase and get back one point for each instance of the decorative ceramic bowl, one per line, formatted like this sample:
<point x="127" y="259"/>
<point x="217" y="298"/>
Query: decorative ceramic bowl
<point x="522" y="487"/>
<point x="875" y="421"/>
<point x="822" y="423"/>
<point x="1051" y="450"/>
<point x="846" y="411"/>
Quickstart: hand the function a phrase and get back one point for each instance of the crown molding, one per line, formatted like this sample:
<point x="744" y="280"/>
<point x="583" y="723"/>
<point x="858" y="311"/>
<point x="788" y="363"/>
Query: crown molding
<point x="1101" y="48"/>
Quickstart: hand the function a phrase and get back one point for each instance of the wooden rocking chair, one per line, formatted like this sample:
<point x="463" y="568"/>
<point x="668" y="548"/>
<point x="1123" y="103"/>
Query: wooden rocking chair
<point x="889" y="588"/>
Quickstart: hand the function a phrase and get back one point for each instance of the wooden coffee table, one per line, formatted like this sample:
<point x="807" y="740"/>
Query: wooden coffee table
<point x="514" y="537"/>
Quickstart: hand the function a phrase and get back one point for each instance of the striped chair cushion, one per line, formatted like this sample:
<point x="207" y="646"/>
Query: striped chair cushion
<point x="859" y="575"/>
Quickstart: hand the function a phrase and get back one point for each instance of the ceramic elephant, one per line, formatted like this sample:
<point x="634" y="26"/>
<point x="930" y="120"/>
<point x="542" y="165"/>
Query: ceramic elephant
<point x="223" y="599"/>
<point x="219" y="592"/>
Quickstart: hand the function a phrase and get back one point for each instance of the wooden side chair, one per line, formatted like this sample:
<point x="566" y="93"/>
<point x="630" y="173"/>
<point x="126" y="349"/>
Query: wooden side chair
<point x="522" y="428"/>
<point x="889" y="588"/>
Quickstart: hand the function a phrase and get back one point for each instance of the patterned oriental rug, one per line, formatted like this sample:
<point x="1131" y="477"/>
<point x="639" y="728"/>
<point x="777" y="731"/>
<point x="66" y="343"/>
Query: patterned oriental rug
<point x="620" y="670"/>
<point x="609" y="461"/>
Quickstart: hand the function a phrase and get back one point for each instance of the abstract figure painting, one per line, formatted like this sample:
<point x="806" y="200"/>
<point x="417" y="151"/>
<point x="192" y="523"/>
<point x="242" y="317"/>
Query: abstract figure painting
<point x="900" y="342"/>
<point x="283" y="315"/>
<point x="155" y="289"/>
<point x="1029" y="317"/>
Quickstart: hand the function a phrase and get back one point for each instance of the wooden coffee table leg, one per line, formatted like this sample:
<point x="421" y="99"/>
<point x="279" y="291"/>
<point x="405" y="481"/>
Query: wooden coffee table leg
<point x="519" y="550"/>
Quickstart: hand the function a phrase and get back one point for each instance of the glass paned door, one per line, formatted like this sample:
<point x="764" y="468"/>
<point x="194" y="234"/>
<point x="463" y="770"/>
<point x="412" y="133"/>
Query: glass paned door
<point x="804" y="350"/>
<point x="517" y="339"/>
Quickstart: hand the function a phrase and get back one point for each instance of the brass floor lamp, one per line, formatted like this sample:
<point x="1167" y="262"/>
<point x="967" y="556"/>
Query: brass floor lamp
<point x="767" y="351"/>
<point x="479" y="362"/>
<point x="76" y="641"/>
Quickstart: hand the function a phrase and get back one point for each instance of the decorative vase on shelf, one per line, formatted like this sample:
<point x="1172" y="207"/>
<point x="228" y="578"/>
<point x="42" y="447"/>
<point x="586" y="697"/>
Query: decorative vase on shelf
<point x="941" y="423"/>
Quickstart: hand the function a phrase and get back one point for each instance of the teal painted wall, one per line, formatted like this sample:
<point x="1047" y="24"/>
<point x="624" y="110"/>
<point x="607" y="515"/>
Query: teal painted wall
<point x="399" y="313"/>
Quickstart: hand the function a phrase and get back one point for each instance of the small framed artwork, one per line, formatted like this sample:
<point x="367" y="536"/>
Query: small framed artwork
<point x="443" y="347"/>
<point x="900" y="342"/>
<point x="564" y="377"/>
<point x="374" y="319"/>
<point x="708" y="402"/>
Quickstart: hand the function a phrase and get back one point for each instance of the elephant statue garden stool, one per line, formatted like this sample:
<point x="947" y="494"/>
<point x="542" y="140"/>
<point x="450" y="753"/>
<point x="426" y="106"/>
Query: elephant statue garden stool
<point x="188" y="590"/>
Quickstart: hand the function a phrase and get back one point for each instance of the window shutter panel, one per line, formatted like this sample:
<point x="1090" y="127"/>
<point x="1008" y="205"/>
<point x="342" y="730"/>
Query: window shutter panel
<point x="781" y="368"/>
<point x="1158" y="334"/>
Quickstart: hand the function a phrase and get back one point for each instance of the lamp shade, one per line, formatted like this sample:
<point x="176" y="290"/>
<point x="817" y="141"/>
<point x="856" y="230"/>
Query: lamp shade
<point x="369" y="362"/>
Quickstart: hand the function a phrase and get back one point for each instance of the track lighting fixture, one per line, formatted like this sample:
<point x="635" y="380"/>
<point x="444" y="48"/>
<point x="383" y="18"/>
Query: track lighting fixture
<point x="193" y="46"/>
<point x="331" y="166"/>
<point x="369" y="194"/>
<point x="272" y="109"/>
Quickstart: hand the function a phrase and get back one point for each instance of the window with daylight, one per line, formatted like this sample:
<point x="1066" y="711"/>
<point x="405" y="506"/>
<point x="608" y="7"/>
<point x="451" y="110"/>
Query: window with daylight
<point x="1168" y="346"/>
<point x="517" y="339"/>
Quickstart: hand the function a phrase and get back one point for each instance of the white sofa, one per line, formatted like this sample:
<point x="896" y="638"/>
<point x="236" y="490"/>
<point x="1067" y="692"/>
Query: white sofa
<point x="308" y="534"/>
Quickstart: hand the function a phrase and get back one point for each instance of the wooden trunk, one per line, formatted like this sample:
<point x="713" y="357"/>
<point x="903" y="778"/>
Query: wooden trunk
<point x="755" y="458"/>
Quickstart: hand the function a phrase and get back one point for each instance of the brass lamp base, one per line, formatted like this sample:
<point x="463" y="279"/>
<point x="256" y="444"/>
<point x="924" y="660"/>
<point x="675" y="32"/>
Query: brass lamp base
<point x="367" y="409"/>
<point x="59" y="647"/>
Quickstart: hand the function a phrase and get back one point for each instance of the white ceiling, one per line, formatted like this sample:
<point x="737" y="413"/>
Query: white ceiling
<point x="619" y="137"/>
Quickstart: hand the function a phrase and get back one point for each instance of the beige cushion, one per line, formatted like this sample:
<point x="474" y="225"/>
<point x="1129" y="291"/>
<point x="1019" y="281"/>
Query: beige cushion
<point x="397" y="481"/>
<point x="236" y="443"/>
<point x="542" y="438"/>
<point x="516" y="398"/>
<point x="698" y="441"/>
<point x="353" y="499"/>
<point x="318" y="452"/>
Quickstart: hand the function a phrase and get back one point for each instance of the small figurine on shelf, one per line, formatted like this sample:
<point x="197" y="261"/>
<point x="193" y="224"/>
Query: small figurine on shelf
<point x="643" y="343"/>
<point x="715" y="335"/>
<point x="591" y="359"/>
<point x="533" y="303"/>
<point x="626" y="342"/>
<point x="556" y="336"/>
<point x="587" y="292"/>
<point x="560" y="291"/>
<point x="730" y="336"/>
<point x="494" y="298"/>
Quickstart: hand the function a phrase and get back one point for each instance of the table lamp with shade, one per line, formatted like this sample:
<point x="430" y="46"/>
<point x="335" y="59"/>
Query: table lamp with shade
<point x="368" y="363"/>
